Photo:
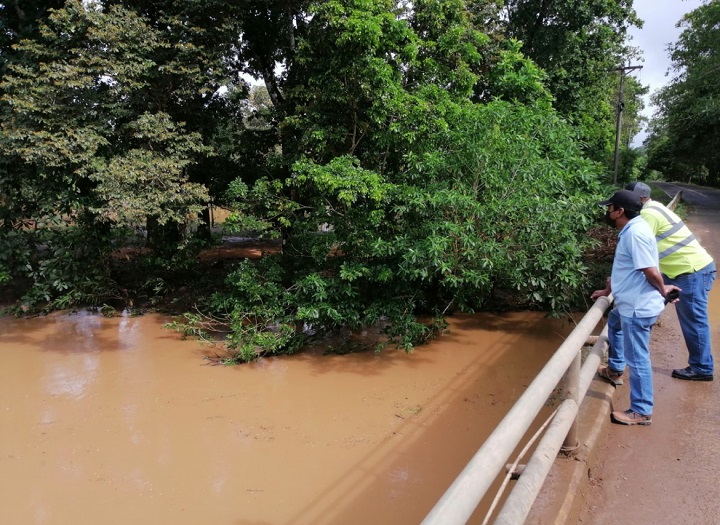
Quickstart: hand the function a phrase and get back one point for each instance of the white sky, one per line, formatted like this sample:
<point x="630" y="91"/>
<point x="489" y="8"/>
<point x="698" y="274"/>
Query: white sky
<point x="659" y="30"/>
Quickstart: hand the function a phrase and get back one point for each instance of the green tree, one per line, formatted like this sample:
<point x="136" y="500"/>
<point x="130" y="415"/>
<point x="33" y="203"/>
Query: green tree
<point x="577" y="43"/>
<point x="86" y="128"/>
<point x="18" y="21"/>
<point x="686" y="136"/>
<point x="660" y="156"/>
<point x="408" y="152"/>
<point x="405" y="196"/>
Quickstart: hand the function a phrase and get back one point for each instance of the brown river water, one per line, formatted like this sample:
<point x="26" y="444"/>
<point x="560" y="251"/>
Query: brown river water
<point x="119" y="421"/>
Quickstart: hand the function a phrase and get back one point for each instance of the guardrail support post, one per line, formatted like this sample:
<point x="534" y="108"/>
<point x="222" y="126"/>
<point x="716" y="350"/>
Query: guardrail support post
<point x="572" y="391"/>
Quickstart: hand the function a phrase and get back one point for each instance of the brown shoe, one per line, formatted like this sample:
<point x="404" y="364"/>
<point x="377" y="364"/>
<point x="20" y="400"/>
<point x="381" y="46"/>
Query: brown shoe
<point x="630" y="418"/>
<point x="611" y="376"/>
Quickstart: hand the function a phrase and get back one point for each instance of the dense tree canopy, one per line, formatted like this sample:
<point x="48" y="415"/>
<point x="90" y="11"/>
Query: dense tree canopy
<point x="415" y="157"/>
<point x="684" y="142"/>
<point x="579" y="44"/>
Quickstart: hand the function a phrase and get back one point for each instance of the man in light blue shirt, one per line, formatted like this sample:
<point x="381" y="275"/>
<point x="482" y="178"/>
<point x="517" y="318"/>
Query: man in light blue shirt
<point x="640" y="294"/>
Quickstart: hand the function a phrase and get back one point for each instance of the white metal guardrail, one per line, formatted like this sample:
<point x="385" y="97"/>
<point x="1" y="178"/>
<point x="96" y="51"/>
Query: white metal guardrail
<point x="469" y="488"/>
<point x="460" y="500"/>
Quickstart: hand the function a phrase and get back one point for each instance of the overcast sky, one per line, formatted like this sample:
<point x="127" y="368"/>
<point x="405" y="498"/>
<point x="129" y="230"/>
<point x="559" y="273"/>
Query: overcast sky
<point x="660" y="17"/>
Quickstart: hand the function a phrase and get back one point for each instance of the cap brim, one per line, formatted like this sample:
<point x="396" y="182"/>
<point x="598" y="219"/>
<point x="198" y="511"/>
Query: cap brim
<point x="607" y="202"/>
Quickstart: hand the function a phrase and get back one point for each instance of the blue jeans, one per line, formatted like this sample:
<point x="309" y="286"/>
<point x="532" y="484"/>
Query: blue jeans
<point x="692" y="312"/>
<point x="629" y="339"/>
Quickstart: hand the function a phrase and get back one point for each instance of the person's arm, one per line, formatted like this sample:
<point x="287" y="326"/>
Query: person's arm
<point x="655" y="278"/>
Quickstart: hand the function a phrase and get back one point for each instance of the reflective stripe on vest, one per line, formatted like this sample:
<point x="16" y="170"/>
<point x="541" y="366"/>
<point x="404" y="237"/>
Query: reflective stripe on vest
<point x="675" y="227"/>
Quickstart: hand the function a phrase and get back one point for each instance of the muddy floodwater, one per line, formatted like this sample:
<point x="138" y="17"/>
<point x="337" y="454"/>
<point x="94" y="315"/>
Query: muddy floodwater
<point x="119" y="421"/>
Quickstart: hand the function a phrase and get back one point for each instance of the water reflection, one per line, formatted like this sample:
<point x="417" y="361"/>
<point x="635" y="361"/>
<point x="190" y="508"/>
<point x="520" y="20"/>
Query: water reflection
<point x="71" y="377"/>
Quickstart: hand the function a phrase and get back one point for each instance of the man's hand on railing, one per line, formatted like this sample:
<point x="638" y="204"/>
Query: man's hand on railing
<point x="599" y="293"/>
<point x="602" y="293"/>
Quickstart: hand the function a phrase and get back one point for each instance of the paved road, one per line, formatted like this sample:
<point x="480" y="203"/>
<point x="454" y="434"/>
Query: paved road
<point x="667" y="473"/>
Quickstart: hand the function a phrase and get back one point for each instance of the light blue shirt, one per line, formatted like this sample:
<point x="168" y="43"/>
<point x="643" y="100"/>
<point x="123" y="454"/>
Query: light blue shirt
<point x="636" y="250"/>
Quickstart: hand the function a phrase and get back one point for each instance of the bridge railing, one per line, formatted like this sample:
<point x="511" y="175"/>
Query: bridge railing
<point x="461" y="499"/>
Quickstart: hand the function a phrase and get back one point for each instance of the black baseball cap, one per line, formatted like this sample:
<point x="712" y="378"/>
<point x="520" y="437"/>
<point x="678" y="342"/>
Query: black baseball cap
<point x="625" y="199"/>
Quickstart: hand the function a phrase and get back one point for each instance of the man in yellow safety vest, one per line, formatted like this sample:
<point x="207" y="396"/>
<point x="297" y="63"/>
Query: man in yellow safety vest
<point x="686" y="264"/>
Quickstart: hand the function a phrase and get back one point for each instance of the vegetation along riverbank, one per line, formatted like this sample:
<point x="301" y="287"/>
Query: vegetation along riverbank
<point x="381" y="163"/>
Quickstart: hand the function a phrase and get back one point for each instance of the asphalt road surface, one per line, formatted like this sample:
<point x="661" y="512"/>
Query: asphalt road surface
<point x="668" y="472"/>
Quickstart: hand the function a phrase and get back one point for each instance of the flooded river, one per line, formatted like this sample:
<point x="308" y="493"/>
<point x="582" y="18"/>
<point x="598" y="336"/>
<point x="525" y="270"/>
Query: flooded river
<point x="118" y="421"/>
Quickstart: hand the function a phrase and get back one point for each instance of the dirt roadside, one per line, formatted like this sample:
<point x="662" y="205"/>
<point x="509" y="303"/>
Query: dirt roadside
<point x="664" y="473"/>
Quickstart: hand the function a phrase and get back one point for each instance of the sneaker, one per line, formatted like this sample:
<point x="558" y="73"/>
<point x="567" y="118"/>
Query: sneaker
<point x="611" y="376"/>
<point x="630" y="418"/>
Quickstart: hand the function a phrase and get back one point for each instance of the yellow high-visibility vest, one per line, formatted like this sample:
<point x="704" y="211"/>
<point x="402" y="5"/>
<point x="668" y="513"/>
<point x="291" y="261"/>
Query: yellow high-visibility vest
<point x="679" y="250"/>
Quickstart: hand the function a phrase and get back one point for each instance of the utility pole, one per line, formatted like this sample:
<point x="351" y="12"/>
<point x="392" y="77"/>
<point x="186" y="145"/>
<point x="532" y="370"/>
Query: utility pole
<point x="620" y="106"/>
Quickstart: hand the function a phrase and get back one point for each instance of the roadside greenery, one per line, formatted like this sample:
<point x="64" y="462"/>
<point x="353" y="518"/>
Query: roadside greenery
<point x="579" y="44"/>
<point x="411" y="158"/>
<point x="684" y="143"/>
